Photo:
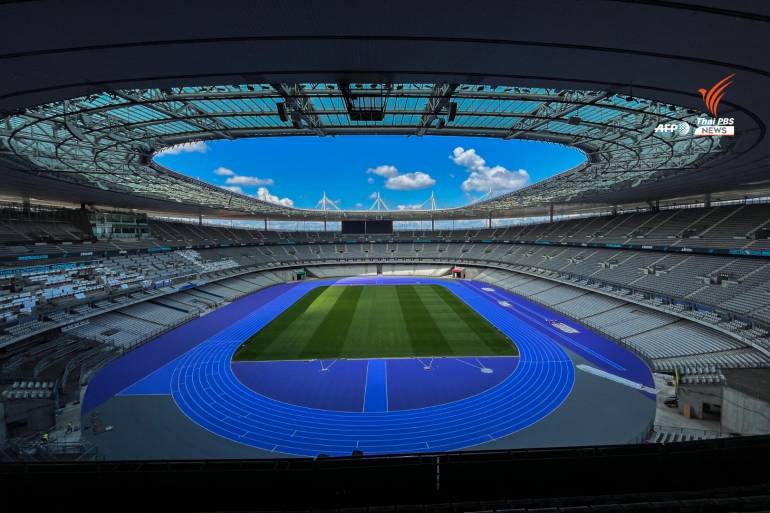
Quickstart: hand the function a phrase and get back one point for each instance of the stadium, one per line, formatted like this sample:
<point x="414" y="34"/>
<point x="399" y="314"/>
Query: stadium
<point x="609" y="316"/>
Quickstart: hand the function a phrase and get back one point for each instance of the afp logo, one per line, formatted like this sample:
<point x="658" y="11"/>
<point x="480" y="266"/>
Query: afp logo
<point x="678" y="127"/>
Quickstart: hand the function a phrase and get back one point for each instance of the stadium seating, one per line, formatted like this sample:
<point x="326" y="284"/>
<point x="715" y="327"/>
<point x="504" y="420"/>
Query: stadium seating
<point x="692" y="312"/>
<point x="736" y="227"/>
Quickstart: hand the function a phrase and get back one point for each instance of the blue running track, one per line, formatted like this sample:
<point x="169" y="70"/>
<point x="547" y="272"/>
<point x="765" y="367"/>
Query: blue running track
<point x="206" y="390"/>
<point x="205" y="386"/>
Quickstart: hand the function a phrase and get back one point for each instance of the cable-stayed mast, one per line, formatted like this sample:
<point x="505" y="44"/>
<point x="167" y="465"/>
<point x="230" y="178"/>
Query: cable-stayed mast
<point x="378" y="204"/>
<point x="430" y="203"/>
<point x="431" y="206"/>
<point x="486" y="195"/>
<point x="324" y="203"/>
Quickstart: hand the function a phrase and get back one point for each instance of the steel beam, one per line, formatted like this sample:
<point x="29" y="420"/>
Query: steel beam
<point x="438" y="102"/>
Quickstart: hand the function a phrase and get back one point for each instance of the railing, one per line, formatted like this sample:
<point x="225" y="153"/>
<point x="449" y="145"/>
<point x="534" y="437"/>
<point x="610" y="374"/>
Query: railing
<point x="703" y="434"/>
<point x="28" y="449"/>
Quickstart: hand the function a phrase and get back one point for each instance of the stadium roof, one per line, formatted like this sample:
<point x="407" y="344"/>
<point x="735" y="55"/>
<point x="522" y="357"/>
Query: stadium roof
<point x="107" y="140"/>
<point x="88" y="102"/>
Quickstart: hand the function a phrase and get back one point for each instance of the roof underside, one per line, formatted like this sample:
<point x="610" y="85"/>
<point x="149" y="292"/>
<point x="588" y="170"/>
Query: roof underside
<point x="106" y="140"/>
<point x="653" y="49"/>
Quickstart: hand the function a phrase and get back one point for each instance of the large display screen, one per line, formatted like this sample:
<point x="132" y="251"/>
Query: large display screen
<point x="363" y="227"/>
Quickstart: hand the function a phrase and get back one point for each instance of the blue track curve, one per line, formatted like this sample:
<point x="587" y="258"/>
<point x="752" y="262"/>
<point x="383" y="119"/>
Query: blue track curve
<point x="205" y="388"/>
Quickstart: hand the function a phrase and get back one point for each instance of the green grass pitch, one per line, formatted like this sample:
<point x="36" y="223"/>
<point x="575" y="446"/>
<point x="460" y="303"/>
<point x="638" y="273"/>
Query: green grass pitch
<point x="376" y="322"/>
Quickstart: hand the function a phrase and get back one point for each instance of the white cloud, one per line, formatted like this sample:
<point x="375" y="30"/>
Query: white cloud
<point x="497" y="179"/>
<point x="385" y="170"/>
<point x="192" y="147"/>
<point x="264" y="195"/>
<point x="468" y="159"/>
<point x="413" y="206"/>
<point x="223" y="171"/>
<point x="410" y="181"/>
<point x="398" y="181"/>
<point x="248" y="180"/>
<point x="373" y="196"/>
<point x="235" y="181"/>
<point x="483" y="178"/>
<point x="359" y="205"/>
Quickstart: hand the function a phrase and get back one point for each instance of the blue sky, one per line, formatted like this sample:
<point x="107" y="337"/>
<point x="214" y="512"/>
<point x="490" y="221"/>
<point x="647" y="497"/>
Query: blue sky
<point x="404" y="170"/>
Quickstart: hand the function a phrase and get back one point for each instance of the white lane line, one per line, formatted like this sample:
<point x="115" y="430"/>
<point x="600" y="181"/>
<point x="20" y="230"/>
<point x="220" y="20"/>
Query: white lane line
<point x="616" y="379"/>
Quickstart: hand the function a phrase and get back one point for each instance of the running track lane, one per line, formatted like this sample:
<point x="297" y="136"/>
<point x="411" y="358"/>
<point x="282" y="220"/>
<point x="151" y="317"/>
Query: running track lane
<point x="605" y="354"/>
<point x="205" y="388"/>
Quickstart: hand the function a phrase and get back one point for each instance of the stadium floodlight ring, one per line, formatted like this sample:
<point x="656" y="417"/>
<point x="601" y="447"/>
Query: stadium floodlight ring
<point x="107" y="140"/>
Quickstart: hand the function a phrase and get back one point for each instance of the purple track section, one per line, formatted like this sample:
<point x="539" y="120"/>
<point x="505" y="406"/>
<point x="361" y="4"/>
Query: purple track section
<point x="347" y="385"/>
<point x="140" y="362"/>
<point x="304" y="383"/>
<point x="385" y="280"/>
<point x="600" y="351"/>
<point x="155" y="383"/>
<point x="410" y="386"/>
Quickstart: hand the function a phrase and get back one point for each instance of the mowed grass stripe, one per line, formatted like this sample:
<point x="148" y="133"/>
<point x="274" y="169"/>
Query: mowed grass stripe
<point x="467" y="333"/>
<point x="425" y="336"/>
<point x="382" y="321"/>
<point x="272" y="338"/>
<point x="460" y="338"/>
<point x="486" y="334"/>
<point x="378" y="327"/>
<point x="452" y="329"/>
<point x="329" y="337"/>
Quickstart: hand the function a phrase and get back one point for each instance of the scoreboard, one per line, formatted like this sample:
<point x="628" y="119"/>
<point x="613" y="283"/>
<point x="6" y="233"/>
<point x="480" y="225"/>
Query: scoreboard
<point x="364" y="227"/>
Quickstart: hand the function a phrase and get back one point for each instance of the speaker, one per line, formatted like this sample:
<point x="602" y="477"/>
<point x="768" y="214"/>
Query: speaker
<point x="452" y="111"/>
<point x="282" y="111"/>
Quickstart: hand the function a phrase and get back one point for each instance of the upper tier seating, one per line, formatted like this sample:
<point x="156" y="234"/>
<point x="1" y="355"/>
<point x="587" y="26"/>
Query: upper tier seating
<point x="739" y="227"/>
<point x="24" y="232"/>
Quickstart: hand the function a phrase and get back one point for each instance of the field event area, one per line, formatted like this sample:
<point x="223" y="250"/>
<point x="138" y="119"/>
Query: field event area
<point x="383" y="321"/>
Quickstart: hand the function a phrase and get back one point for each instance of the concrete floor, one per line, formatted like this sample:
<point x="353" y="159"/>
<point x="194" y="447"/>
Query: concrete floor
<point x="670" y="419"/>
<point x="70" y="415"/>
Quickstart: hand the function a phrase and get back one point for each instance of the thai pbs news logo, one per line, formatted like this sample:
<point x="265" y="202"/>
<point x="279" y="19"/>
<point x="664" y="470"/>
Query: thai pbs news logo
<point x="706" y="126"/>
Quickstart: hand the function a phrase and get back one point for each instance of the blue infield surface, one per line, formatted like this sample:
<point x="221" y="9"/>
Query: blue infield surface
<point x="404" y="405"/>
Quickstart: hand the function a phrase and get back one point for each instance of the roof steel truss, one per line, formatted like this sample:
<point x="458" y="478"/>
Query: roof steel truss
<point x="106" y="140"/>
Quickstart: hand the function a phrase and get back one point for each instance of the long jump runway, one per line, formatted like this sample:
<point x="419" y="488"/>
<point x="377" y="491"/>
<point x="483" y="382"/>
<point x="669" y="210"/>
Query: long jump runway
<point x="365" y="408"/>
